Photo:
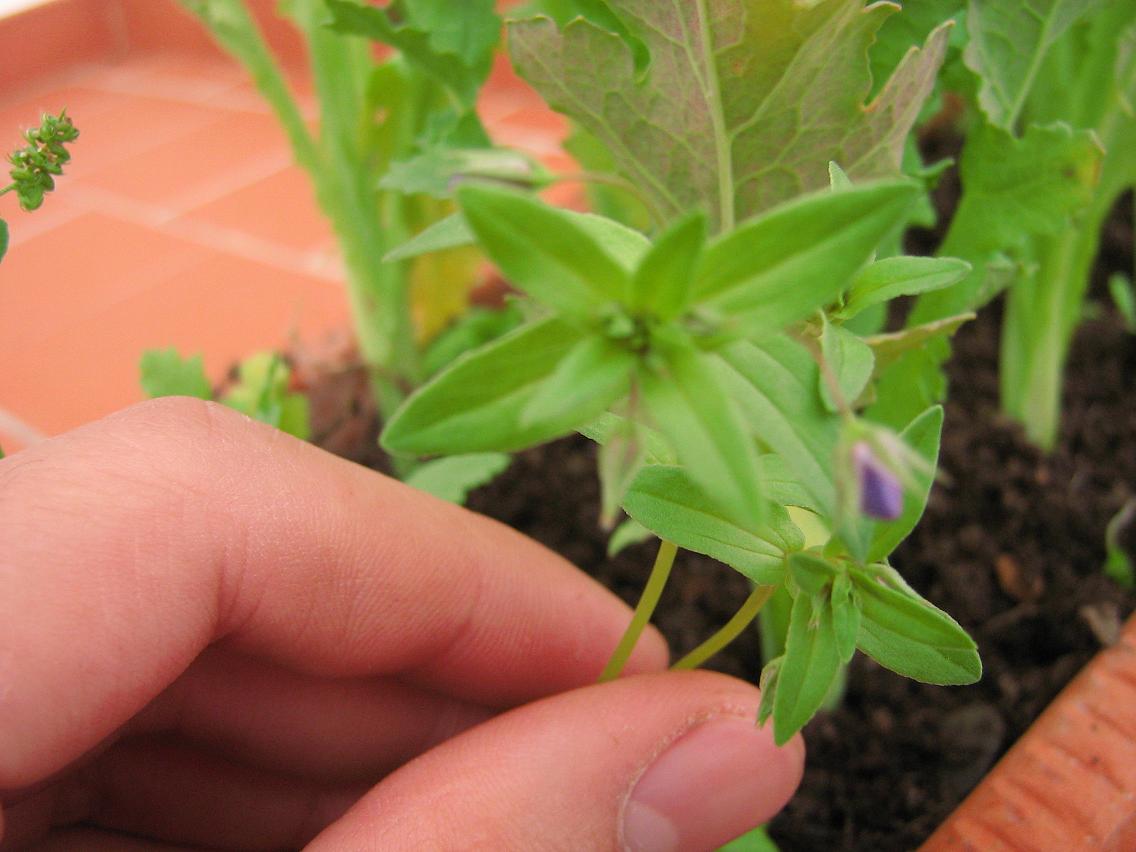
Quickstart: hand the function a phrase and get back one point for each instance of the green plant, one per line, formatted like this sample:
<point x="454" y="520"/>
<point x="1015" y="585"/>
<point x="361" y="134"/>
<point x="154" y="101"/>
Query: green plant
<point x="718" y="363"/>
<point x="1050" y="133"/>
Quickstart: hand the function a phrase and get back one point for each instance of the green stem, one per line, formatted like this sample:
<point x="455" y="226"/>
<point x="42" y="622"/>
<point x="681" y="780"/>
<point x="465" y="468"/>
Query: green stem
<point x="730" y="631"/>
<point x="664" y="560"/>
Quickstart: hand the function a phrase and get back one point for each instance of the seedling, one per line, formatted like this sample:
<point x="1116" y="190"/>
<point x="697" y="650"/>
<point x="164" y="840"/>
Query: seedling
<point x="715" y="362"/>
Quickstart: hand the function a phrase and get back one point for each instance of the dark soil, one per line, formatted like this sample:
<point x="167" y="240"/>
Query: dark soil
<point x="1012" y="546"/>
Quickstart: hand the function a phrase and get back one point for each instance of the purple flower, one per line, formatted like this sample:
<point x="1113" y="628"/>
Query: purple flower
<point x="881" y="495"/>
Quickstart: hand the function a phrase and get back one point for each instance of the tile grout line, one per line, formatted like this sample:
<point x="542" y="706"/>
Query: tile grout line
<point x="20" y="430"/>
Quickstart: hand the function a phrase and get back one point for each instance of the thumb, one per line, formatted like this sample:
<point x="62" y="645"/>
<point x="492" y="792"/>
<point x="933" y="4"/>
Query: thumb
<point x="654" y="763"/>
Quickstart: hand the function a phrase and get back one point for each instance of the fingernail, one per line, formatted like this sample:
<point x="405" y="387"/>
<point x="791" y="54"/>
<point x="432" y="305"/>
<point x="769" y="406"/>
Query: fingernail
<point x="714" y="783"/>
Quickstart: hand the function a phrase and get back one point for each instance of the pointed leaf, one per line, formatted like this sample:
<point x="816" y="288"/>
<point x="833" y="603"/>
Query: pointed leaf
<point x="590" y="377"/>
<point x="808" y="669"/>
<point x="886" y="279"/>
<point x="811" y="572"/>
<point x="903" y="632"/>
<point x="3" y="238"/>
<point x="453" y="477"/>
<point x="790" y="262"/>
<point x="440" y="169"/>
<point x="451" y="232"/>
<point x="850" y="361"/>
<point x="620" y="459"/>
<point x="742" y="106"/>
<point x="475" y="404"/>
<point x="774" y="384"/>
<point x="663" y="283"/>
<point x="543" y="251"/>
<point x="687" y="404"/>
<point x="629" y="533"/>
<point x="888" y="348"/>
<point x="668" y="502"/>
<point x="922" y="436"/>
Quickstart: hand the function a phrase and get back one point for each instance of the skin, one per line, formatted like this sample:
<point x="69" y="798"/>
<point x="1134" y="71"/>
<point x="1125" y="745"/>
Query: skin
<point x="215" y="636"/>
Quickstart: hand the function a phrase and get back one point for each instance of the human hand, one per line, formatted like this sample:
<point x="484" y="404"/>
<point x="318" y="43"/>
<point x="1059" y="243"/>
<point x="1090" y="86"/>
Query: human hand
<point x="212" y="634"/>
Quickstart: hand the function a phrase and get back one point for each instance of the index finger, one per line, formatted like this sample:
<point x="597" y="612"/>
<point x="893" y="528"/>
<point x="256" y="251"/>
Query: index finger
<point x="128" y="546"/>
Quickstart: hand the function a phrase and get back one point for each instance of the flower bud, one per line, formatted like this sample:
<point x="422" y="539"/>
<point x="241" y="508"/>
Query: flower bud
<point x="880" y="492"/>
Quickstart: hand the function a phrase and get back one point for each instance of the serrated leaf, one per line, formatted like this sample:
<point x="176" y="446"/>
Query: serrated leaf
<point x="850" y="361"/>
<point x="906" y="30"/>
<point x="451" y="40"/>
<point x="668" y="502"/>
<point x="439" y="170"/>
<point x="453" y="477"/>
<point x="664" y="280"/>
<point x="474" y="405"/>
<point x="742" y="106"/>
<point x="774" y="383"/>
<point x="451" y="232"/>
<point x="795" y="259"/>
<point x="921" y="435"/>
<point x="809" y="667"/>
<point x="1013" y="189"/>
<point x="1007" y="44"/>
<point x="166" y="373"/>
<point x="686" y="402"/>
<point x="903" y="632"/>
<point x="887" y="279"/>
<point x="544" y="251"/>
<point x="591" y="376"/>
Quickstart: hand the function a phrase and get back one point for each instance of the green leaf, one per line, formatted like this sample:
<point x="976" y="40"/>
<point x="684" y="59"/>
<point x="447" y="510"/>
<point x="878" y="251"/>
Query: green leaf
<point x="451" y="40"/>
<point x="715" y="122"/>
<point x="3" y="238"/>
<point x="781" y="485"/>
<point x="1123" y="294"/>
<point x="774" y="383"/>
<point x="590" y="377"/>
<point x="903" y="632"/>
<point x="663" y="282"/>
<point x="886" y="279"/>
<point x="451" y="232"/>
<point x="1014" y="188"/>
<point x="810" y="665"/>
<point x="811" y="572"/>
<point x="888" y="348"/>
<point x="474" y="405"/>
<point x="626" y="534"/>
<point x="1117" y="564"/>
<point x="906" y="30"/>
<point x="474" y="328"/>
<point x="845" y="616"/>
<point x="668" y="502"/>
<point x="440" y="169"/>
<point x="850" y="361"/>
<point x="453" y="477"/>
<point x="1007" y="44"/>
<point x="757" y="840"/>
<point x="795" y="259"/>
<point x="768" y="681"/>
<point x="165" y="373"/>
<point x="544" y="251"/>
<point x="686" y="402"/>
<point x="261" y="392"/>
<point x="922" y="436"/>
<point x="621" y="457"/>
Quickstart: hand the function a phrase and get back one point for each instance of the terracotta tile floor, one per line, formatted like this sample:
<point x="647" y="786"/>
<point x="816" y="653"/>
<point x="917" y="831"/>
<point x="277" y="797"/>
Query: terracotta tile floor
<point x="182" y="222"/>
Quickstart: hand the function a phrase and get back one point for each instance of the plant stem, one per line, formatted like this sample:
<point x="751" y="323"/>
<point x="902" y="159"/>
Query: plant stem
<point x="643" y="611"/>
<point x="729" y="631"/>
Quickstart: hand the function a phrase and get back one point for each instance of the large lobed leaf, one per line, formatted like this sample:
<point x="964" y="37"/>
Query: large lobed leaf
<point x="451" y="40"/>
<point x="744" y="102"/>
<point x="1008" y="42"/>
